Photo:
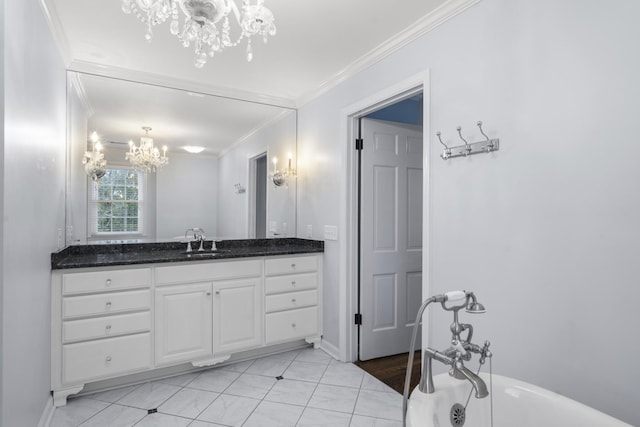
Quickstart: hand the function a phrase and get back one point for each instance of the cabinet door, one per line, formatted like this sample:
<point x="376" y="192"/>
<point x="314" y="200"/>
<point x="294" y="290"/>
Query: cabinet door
<point x="183" y="323"/>
<point x="237" y="315"/>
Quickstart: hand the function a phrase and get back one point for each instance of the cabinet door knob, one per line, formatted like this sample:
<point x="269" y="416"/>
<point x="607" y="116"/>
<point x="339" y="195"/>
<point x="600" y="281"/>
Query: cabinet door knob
<point x="293" y="325"/>
<point x="108" y="359"/>
<point x="217" y="292"/>
<point x="108" y="282"/>
<point x="208" y="294"/>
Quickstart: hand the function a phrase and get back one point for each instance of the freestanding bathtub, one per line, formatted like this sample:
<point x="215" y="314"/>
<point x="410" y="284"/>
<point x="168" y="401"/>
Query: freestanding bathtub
<point x="515" y="404"/>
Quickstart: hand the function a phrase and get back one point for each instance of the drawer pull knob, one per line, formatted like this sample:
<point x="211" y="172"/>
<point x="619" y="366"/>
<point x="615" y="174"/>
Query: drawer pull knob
<point x="217" y="292"/>
<point x="108" y="328"/>
<point x="108" y="305"/>
<point x="293" y="283"/>
<point x="293" y="266"/>
<point x="293" y="300"/>
<point x="108" y="359"/>
<point x="208" y="294"/>
<point x="293" y="325"/>
<point x="108" y="282"/>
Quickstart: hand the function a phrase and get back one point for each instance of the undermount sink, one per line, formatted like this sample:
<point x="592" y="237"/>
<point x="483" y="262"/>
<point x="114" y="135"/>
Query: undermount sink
<point x="201" y="254"/>
<point x="205" y="253"/>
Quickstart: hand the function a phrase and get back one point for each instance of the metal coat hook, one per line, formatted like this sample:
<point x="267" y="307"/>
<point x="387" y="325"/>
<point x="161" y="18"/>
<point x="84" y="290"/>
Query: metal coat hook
<point x="490" y="143"/>
<point x="486" y="146"/>
<point x="447" y="151"/>
<point x="468" y="148"/>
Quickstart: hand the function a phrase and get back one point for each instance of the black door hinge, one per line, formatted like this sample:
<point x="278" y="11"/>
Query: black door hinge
<point x="359" y="144"/>
<point x="358" y="319"/>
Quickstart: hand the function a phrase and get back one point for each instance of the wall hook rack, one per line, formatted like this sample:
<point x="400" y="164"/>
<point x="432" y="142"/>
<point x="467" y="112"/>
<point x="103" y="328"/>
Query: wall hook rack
<point x="467" y="149"/>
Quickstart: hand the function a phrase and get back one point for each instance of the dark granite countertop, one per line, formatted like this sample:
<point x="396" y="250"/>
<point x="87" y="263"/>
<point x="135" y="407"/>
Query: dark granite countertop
<point x="82" y="256"/>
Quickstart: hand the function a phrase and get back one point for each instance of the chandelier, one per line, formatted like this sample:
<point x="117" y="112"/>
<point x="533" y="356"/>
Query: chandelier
<point x="206" y="22"/>
<point x="95" y="166"/>
<point x="146" y="157"/>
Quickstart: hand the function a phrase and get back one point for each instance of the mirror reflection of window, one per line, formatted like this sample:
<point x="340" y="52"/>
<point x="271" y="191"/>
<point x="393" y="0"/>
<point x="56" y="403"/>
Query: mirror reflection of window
<point x="117" y="203"/>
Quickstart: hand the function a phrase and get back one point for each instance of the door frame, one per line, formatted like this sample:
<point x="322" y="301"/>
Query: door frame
<point x="251" y="192"/>
<point x="348" y="339"/>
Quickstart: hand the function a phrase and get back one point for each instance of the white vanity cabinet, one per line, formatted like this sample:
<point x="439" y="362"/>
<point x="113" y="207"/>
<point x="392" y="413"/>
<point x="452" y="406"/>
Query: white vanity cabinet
<point x="219" y="314"/>
<point x="237" y="315"/>
<point x="109" y="322"/>
<point x="292" y="298"/>
<point x="101" y="327"/>
<point x="183" y="323"/>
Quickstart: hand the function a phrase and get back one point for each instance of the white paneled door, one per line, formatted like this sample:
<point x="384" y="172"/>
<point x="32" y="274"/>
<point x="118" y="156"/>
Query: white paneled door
<point x="391" y="236"/>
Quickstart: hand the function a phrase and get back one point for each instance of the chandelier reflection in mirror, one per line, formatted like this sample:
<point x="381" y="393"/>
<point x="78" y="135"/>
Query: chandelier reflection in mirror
<point x="206" y="22"/>
<point x="95" y="166"/>
<point x="146" y="157"/>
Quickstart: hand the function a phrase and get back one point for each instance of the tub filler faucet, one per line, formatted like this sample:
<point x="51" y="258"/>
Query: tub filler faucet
<point x="460" y="350"/>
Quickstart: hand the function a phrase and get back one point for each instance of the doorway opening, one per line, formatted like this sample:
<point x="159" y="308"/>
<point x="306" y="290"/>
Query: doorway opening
<point x="389" y="223"/>
<point x="258" y="196"/>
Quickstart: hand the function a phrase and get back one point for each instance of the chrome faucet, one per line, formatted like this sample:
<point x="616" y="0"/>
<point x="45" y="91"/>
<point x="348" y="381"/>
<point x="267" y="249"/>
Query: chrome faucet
<point x="197" y="235"/>
<point x="459" y="351"/>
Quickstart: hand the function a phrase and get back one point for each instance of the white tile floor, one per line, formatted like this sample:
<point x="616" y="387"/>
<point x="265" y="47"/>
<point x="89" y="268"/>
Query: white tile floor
<point x="316" y="390"/>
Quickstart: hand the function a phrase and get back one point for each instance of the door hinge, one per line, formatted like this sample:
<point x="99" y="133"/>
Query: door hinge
<point x="358" y="319"/>
<point x="359" y="144"/>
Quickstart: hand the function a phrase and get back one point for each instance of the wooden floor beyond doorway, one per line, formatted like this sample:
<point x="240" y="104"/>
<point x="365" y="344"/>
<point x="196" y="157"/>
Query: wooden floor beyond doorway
<point x="391" y="370"/>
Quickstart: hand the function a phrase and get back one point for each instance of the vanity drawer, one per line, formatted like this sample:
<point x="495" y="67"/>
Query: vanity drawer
<point x="107" y="326"/>
<point x="96" y="281"/>
<point x="294" y="282"/>
<point x="291" y="324"/>
<point x="289" y="265"/>
<point x="291" y="300"/>
<point x="208" y="271"/>
<point x="116" y="302"/>
<point x="105" y="358"/>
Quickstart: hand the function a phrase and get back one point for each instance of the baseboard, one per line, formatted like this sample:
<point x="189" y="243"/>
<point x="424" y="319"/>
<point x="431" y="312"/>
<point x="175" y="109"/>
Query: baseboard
<point x="331" y="350"/>
<point x="47" y="413"/>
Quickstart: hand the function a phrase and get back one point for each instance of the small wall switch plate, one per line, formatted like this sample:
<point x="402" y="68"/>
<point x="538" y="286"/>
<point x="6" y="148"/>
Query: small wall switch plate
<point x="309" y="231"/>
<point x="330" y="232"/>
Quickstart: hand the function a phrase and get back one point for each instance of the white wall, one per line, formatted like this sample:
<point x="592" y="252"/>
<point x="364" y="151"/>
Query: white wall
<point x="545" y="231"/>
<point x="277" y="139"/>
<point x="1" y="199"/>
<point x="33" y="186"/>
<point x="187" y="195"/>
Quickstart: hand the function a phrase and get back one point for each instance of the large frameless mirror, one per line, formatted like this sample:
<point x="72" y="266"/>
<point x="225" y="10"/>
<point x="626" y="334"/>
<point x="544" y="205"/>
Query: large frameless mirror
<point x="227" y="188"/>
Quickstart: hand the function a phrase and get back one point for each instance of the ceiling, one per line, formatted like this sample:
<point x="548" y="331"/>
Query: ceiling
<point x="318" y="44"/>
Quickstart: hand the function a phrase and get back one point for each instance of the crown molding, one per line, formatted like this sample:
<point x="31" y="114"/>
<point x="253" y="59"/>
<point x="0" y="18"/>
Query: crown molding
<point x="59" y="36"/>
<point x="175" y="83"/>
<point x="254" y="131"/>
<point x="75" y="81"/>
<point x="432" y="20"/>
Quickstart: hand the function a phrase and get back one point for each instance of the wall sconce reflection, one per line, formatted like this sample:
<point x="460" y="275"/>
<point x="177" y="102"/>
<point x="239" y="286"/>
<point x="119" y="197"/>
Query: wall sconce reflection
<point x="280" y="177"/>
<point x="95" y="166"/>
